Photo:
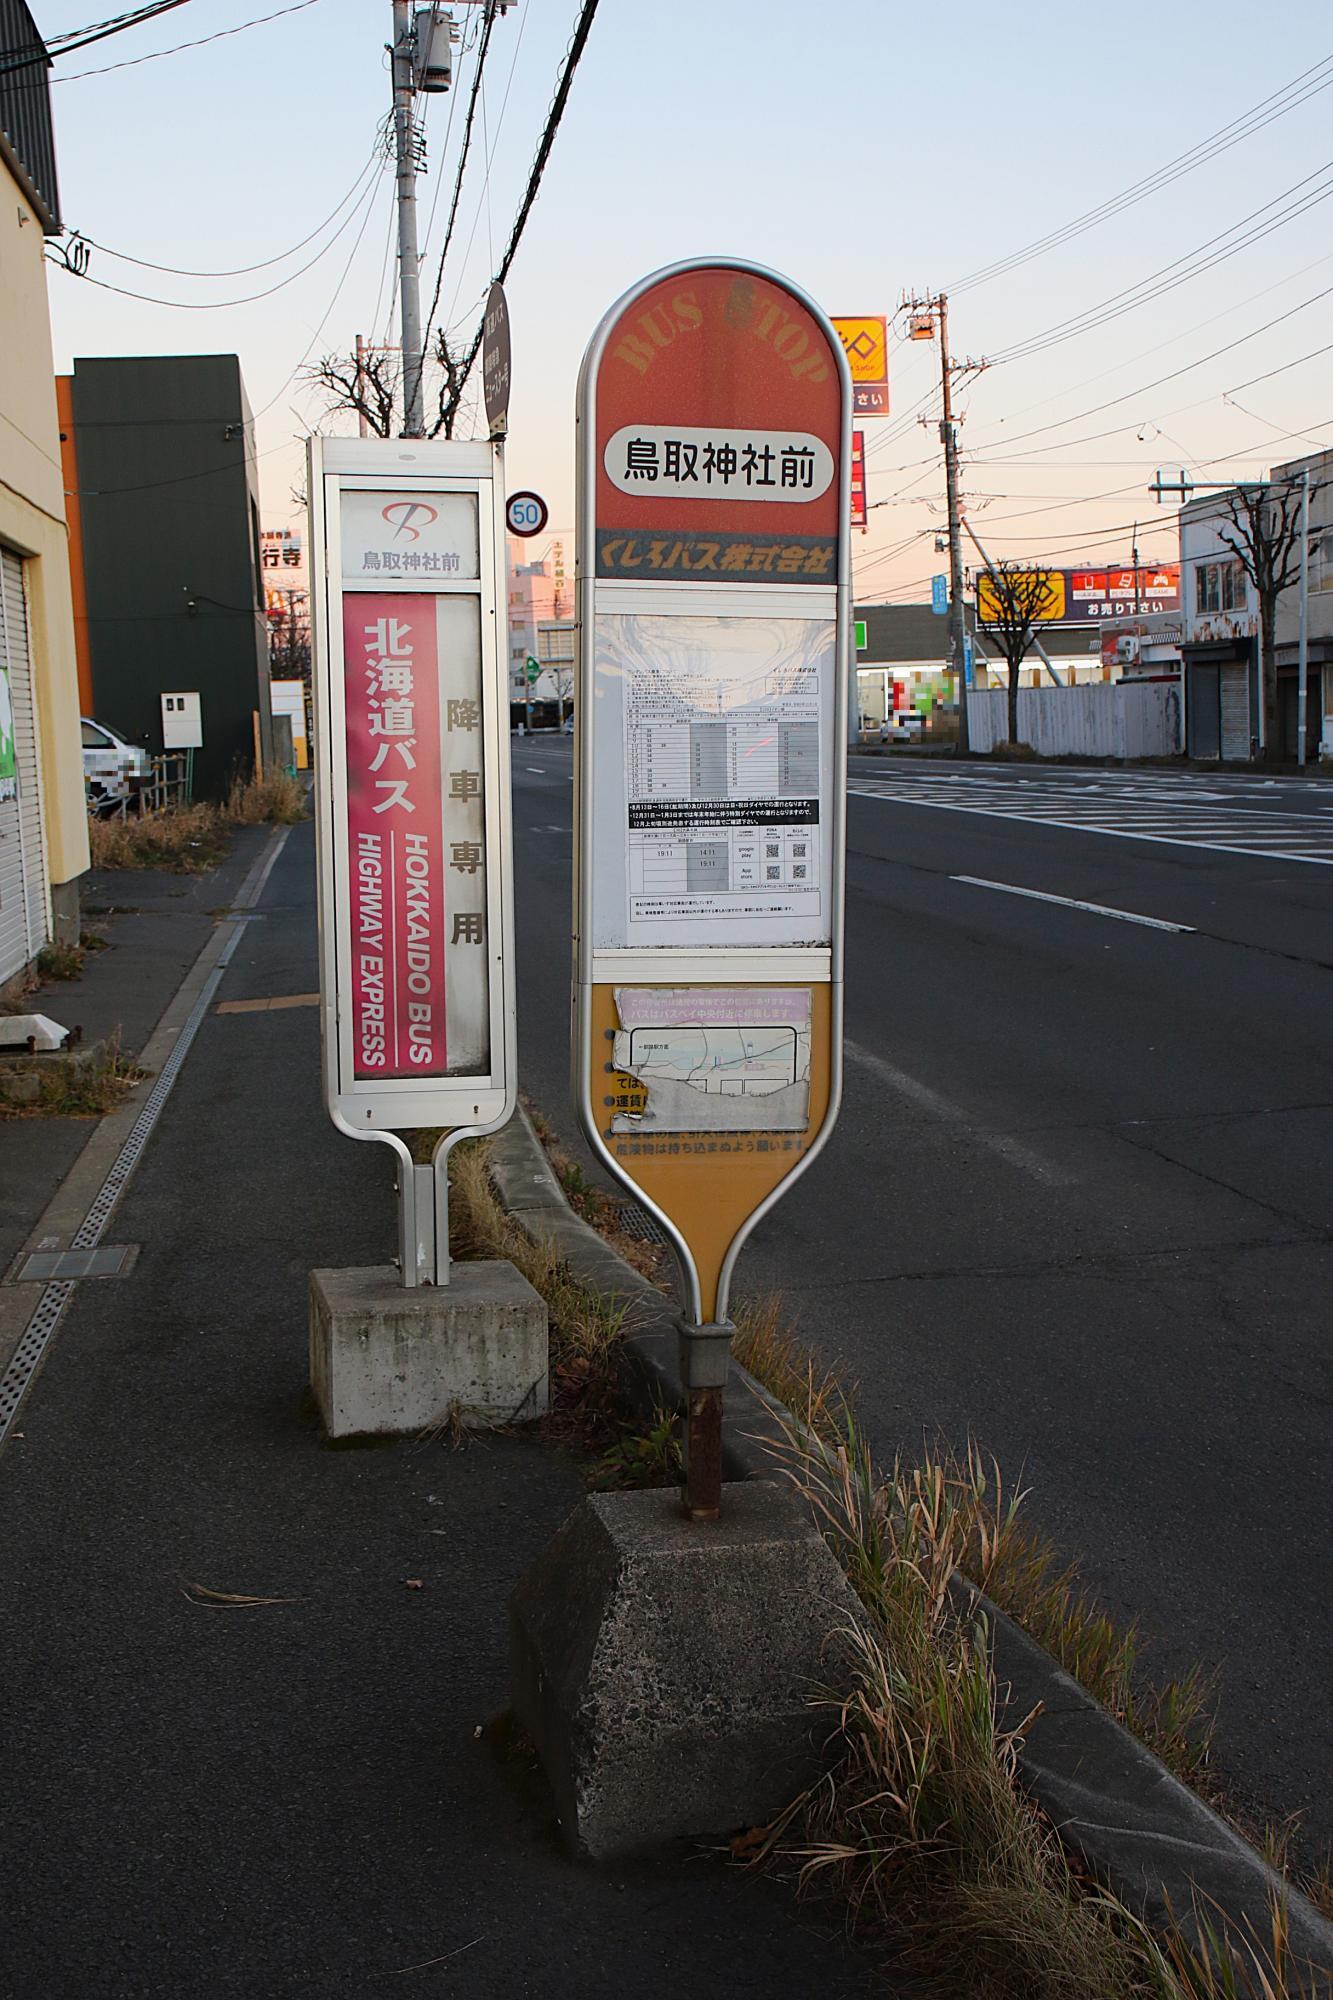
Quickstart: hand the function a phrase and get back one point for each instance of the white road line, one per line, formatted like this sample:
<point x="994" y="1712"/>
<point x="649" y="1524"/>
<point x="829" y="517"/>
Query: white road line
<point x="538" y="770"/>
<point x="1237" y="846"/>
<point x="1072" y="903"/>
<point x="1012" y="1151"/>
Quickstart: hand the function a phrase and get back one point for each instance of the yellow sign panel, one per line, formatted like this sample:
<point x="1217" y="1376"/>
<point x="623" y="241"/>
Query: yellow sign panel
<point x="1042" y="590"/>
<point x="709" y="1153"/>
<point x="866" y="345"/>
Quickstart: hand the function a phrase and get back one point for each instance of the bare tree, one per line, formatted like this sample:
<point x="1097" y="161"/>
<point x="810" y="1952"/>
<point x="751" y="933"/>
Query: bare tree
<point x="1012" y="601"/>
<point x="1263" y="533"/>
<point x="370" y="386"/>
<point x="365" y="384"/>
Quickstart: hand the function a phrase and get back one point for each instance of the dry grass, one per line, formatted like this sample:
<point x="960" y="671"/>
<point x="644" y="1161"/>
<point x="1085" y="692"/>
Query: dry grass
<point x="80" y="1089"/>
<point x="186" y="839"/>
<point x="586" y="1329"/>
<point x="276" y="799"/>
<point x="776" y="1356"/>
<point x="190" y="839"/>
<point x="920" y="1825"/>
<point x="1009" y="1560"/>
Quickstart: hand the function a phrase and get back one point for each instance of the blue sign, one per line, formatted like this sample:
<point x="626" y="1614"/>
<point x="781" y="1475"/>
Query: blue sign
<point x="968" y="675"/>
<point x="939" y="595"/>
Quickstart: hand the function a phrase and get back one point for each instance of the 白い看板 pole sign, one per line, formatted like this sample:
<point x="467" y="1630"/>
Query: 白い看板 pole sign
<point x="412" y="771"/>
<point x="714" y="609"/>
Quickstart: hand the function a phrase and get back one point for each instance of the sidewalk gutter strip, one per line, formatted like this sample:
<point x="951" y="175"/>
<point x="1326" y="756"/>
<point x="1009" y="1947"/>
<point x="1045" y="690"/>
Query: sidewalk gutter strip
<point x="1127" y="1819"/>
<point x="212" y="962"/>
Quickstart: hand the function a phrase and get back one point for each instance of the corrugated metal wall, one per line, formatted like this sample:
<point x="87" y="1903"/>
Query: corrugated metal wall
<point x="1102" y="719"/>
<point x="25" y="911"/>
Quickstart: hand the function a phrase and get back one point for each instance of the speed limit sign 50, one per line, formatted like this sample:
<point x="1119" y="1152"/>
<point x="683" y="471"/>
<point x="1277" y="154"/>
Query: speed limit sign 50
<point x="526" y="514"/>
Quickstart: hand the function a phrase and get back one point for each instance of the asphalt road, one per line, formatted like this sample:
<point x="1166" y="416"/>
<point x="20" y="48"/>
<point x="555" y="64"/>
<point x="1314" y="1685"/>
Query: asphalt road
<point x="1077" y="1205"/>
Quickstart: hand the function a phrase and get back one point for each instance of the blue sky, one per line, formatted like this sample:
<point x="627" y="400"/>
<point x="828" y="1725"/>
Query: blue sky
<point x="862" y="149"/>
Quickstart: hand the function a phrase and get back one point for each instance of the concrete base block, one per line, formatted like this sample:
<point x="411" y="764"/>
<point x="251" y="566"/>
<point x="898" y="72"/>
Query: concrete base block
<point x="663" y="1667"/>
<point x="384" y="1359"/>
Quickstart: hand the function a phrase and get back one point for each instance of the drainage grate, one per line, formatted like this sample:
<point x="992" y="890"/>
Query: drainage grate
<point x="23" y="1362"/>
<point x="46" y="1266"/>
<point x="36" y="1337"/>
<point x="633" y="1220"/>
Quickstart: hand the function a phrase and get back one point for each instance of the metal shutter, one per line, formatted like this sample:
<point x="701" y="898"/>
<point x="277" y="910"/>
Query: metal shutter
<point x="1235" y="712"/>
<point x="24" y="902"/>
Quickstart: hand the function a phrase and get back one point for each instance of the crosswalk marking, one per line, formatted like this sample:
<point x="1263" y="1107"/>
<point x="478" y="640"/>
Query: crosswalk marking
<point x="1124" y="811"/>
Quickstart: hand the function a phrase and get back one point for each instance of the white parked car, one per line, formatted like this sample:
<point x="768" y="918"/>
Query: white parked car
<point x="113" y="767"/>
<point x="903" y="726"/>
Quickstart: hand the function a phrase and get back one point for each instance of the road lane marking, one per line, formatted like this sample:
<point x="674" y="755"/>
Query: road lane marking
<point x="1184" y="838"/>
<point x="1073" y="903"/>
<point x="1012" y="1151"/>
<point x="538" y="770"/>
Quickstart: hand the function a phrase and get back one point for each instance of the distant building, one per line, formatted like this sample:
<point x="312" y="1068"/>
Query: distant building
<point x="1319" y="700"/>
<point x="43" y="824"/>
<point x="905" y="662"/>
<point x="538" y="594"/>
<point x="166" y="552"/>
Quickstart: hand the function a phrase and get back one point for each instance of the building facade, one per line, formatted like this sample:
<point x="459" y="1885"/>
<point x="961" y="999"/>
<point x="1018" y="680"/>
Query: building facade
<point x="43" y="824"/>
<point x="166" y="553"/>
<point x="1319" y="628"/>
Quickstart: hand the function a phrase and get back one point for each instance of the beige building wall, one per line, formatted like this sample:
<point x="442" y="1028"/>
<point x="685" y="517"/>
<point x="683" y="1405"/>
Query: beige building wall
<point x="32" y="521"/>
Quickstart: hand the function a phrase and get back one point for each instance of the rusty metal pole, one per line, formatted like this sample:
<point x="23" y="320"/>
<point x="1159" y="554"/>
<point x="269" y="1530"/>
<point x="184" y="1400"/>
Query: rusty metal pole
<point x="705" y="1352"/>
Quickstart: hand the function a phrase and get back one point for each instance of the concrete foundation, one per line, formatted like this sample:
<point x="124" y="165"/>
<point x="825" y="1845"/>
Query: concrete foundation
<point x="386" y="1360"/>
<point x="663" y="1667"/>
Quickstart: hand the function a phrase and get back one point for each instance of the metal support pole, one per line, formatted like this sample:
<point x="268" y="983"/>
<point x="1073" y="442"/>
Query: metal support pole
<point x="409" y="262"/>
<point x="1303" y="655"/>
<point x="363" y="428"/>
<point x="949" y="438"/>
<point x="705" y="1352"/>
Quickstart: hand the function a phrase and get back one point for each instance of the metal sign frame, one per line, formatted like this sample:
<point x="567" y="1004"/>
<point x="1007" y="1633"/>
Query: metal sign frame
<point x="382" y="1109"/>
<point x="663" y="965"/>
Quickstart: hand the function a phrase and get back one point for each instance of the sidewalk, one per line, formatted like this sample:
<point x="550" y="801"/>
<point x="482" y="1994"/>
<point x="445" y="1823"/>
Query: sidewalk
<point x="292" y="1798"/>
<point x="156" y="924"/>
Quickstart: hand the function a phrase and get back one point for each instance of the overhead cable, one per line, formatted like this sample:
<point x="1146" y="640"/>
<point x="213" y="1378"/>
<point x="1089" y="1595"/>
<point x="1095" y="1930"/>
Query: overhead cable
<point x="220" y="305"/>
<point x="239" y="270"/>
<point x="543" y="154"/>
<point x="81" y="38"/>
<point x="132" y="62"/>
<point x="1288" y="98"/>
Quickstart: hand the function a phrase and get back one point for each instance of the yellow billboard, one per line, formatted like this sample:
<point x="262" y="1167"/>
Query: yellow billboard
<point x="1041" y="591"/>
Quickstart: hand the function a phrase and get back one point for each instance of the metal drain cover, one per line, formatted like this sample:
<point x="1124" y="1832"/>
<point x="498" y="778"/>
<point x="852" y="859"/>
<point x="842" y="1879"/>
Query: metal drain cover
<point x="632" y="1220"/>
<point x="108" y="1260"/>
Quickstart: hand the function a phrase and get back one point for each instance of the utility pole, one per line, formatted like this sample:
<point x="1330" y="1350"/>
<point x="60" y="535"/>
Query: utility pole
<point x="957" y="614"/>
<point x="363" y="428"/>
<point x="926" y="314"/>
<point x="409" y="261"/>
<point x="1303" y="641"/>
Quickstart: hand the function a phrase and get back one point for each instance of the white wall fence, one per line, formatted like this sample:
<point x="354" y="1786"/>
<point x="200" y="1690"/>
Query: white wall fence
<point x="1103" y="719"/>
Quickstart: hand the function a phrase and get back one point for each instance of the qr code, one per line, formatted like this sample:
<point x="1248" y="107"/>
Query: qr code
<point x="798" y="872"/>
<point x="773" y="874"/>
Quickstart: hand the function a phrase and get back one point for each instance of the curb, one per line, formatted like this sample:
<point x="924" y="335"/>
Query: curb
<point x="1117" y="1809"/>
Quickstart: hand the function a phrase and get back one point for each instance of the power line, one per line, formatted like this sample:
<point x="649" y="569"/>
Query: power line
<point x="81" y="38"/>
<point x="214" y="305"/>
<point x="240" y="270"/>
<point x="1306" y="85"/>
<point x="475" y="92"/>
<point x="132" y="62"/>
<point x="1196" y="262"/>
<point x="543" y="154"/>
<point x="1174" y="375"/>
